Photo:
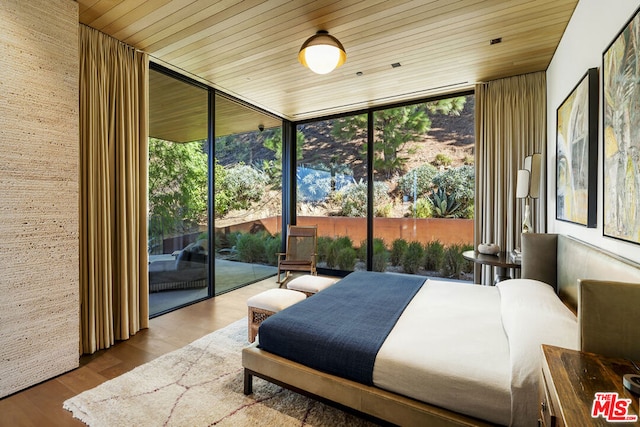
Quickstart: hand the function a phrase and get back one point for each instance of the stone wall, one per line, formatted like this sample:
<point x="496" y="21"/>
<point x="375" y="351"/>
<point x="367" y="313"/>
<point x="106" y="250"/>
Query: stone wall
<point x="39" y="324"/>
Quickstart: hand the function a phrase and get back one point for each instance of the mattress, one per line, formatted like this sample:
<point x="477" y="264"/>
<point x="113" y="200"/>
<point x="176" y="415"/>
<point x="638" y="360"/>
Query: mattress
<point x="449" y="349"/>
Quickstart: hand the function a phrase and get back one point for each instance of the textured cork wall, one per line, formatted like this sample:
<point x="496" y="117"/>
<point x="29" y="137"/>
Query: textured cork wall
<point x="39" y="324"/>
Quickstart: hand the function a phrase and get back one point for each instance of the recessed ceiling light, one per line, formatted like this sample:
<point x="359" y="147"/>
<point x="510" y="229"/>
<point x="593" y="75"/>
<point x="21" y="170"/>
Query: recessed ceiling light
<point x="395" y="65"/>
<point x="359" y="73"/>
<point x="496" y="41"/>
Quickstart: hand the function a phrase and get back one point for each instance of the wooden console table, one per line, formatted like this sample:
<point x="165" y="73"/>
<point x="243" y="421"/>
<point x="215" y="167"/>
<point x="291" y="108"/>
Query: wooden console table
<point x="501" y="262"/>
<point x="570" y="381"/>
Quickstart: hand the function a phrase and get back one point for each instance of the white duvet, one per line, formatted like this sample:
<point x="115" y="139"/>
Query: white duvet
<point x="476" y="349"/>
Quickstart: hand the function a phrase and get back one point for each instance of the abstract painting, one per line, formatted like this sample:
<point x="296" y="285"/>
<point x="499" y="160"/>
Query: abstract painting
<point x="577" y="152"/>
<point x="621" y="134"/>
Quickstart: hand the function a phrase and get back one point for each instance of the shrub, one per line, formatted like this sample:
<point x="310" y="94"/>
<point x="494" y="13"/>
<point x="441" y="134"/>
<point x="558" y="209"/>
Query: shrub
<point x="242" y="185"/>
<point x="434" y="255"/>
<point x="232" y="238"/>
<point x="324" y="245"/>
<point x="380" y="255"/>
<point x="251" y="247"/>
<point x="362" y="250"/>
<point x="422" y="176"/>
<point x="442" y="160"/>
<point x="346" y="259"/>
<point x="453" y="262"/>
<point x="423" y="209"/>
<point x="467" y="266"/>
<point x="335" y="247"/>
<point x="354" y="199"/>
<point x="444" y="205"/>
<point x="398" y="247"/>
<point x="272" y="245"/>
<point x="459" y="185"/>
<point x="413" y="258"/>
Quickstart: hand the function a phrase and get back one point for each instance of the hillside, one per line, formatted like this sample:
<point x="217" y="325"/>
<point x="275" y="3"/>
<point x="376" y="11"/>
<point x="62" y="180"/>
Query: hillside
<point x="449" y="135"/>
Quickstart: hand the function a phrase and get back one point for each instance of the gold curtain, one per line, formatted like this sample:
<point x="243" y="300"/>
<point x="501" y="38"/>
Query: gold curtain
<point x="510" y="125"/>
<point x="114" y="300"/>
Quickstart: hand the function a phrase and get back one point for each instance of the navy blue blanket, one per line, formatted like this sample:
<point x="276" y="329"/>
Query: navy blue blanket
<point x="341" y="329"/>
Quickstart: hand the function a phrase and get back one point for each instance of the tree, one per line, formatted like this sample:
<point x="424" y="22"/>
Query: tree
<point x="273" y="141"/>
<point x="394" y="128"/>
<point x="177" y="186"/>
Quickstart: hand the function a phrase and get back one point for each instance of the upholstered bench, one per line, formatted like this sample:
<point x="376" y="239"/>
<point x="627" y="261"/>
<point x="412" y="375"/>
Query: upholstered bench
<point x="310" y="285"/>
<point x="267" y="303"/>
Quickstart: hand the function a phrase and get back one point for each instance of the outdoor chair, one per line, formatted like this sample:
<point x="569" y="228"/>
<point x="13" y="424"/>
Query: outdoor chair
<point x="300" y="252"/>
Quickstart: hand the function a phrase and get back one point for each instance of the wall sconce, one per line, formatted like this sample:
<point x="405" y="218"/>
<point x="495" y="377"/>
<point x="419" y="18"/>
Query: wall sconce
<point x="322" y="53"/>
<point x="528" y="187"/>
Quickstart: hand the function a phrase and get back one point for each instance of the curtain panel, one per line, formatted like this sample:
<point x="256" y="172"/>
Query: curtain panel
<point x="113" y="190"/>
<point x="510" y="125"/>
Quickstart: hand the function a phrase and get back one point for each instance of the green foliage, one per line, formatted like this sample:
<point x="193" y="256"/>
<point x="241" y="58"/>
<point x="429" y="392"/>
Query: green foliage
<point x="434" y="255"/>
<point x="453" y="263"/>
<point x="423" y="209"/>
<point x="242" y="185"/>
<point x="251" y="247"/>
<point x="468" y="160"/>
<point x="444" y="206"/>
<point x="413" y="258"/>
<point x="422" y="176"/>
<point x="450" y="106"/>
<point x="324" y="246"/>
<point x="398" y="247"/>
<point x="273" y="141"/>
<point x="177" y="187"/>
<point x="346" y="259"/>
<point x="467" y="266"/>
<point x="442" y="160"/>
<point x="459" y="185"/>
<point x="221" y="199"/>
<point x="354" y="199"/>
<point x="394" y="128"/>
<point x="335" y="247"/>
<point x="380" y="255"/>
<point x="272" y="245"/>
<point x="232" y="238"/>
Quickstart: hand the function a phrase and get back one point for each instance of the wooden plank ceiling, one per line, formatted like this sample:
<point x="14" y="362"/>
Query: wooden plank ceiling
<point x="248" y="48"/>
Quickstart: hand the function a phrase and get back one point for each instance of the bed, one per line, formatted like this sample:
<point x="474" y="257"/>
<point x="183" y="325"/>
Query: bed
<point x="456" y="354"/>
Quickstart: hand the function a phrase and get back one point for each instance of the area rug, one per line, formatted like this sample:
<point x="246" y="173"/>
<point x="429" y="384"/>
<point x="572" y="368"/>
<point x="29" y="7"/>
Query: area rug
<point x="200" y="385"/>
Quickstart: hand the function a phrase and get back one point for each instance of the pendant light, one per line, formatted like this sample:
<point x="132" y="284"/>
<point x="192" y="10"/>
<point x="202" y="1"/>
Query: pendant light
<point x="322" y="53"/>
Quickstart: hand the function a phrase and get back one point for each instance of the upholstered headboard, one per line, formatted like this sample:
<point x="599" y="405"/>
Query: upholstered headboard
<point x="602" y="287"/>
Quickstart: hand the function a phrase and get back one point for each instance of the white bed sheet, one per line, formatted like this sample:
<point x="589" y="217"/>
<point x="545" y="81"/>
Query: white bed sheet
<point x="474" y="379"/>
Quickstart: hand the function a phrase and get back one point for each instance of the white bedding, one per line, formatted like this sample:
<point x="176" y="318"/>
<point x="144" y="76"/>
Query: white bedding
<point x="475" y="349"/>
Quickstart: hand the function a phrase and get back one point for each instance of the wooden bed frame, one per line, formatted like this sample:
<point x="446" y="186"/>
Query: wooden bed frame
<point x="572" y="261"/>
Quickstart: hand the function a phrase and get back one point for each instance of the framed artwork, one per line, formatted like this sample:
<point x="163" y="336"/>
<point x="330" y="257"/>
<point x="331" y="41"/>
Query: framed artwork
<point x="577" y="153"/>
<point x="621" y="134"/>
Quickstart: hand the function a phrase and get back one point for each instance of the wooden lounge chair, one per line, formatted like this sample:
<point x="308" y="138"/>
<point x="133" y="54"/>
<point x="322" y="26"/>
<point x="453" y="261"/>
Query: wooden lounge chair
<point x="300" y="252"/>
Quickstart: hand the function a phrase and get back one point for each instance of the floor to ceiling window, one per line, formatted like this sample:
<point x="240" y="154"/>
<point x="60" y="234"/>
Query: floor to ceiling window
<point x="332" y="188"/>
<point x="424" y="178"/>
<point x="247" y="194"/>
<point x="178" y="176"/>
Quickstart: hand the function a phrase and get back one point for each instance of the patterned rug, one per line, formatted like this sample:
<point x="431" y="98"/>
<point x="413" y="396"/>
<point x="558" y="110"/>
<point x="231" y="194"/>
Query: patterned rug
<point x="200" y="385"/>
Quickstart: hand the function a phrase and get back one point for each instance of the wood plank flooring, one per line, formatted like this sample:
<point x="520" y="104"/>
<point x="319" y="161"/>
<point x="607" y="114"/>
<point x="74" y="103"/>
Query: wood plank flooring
<point x="41" y="405"/>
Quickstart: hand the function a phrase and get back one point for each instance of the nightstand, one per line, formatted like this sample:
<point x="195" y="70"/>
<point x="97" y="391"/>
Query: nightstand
<point x="570" y="380"/>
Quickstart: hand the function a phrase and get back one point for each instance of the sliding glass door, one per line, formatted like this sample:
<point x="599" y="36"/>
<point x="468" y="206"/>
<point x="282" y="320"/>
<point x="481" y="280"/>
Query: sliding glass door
<point x="247" y="194"/>
<point x="178" y="177"/>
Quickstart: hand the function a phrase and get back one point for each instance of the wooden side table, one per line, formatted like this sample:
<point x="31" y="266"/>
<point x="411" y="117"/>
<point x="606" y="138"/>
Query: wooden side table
<point x="500" y="261"/>
<point x="570" y="381"/>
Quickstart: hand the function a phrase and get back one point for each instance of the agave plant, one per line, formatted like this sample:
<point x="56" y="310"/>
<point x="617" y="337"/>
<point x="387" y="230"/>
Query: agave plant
<point x="444" y="205"/>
